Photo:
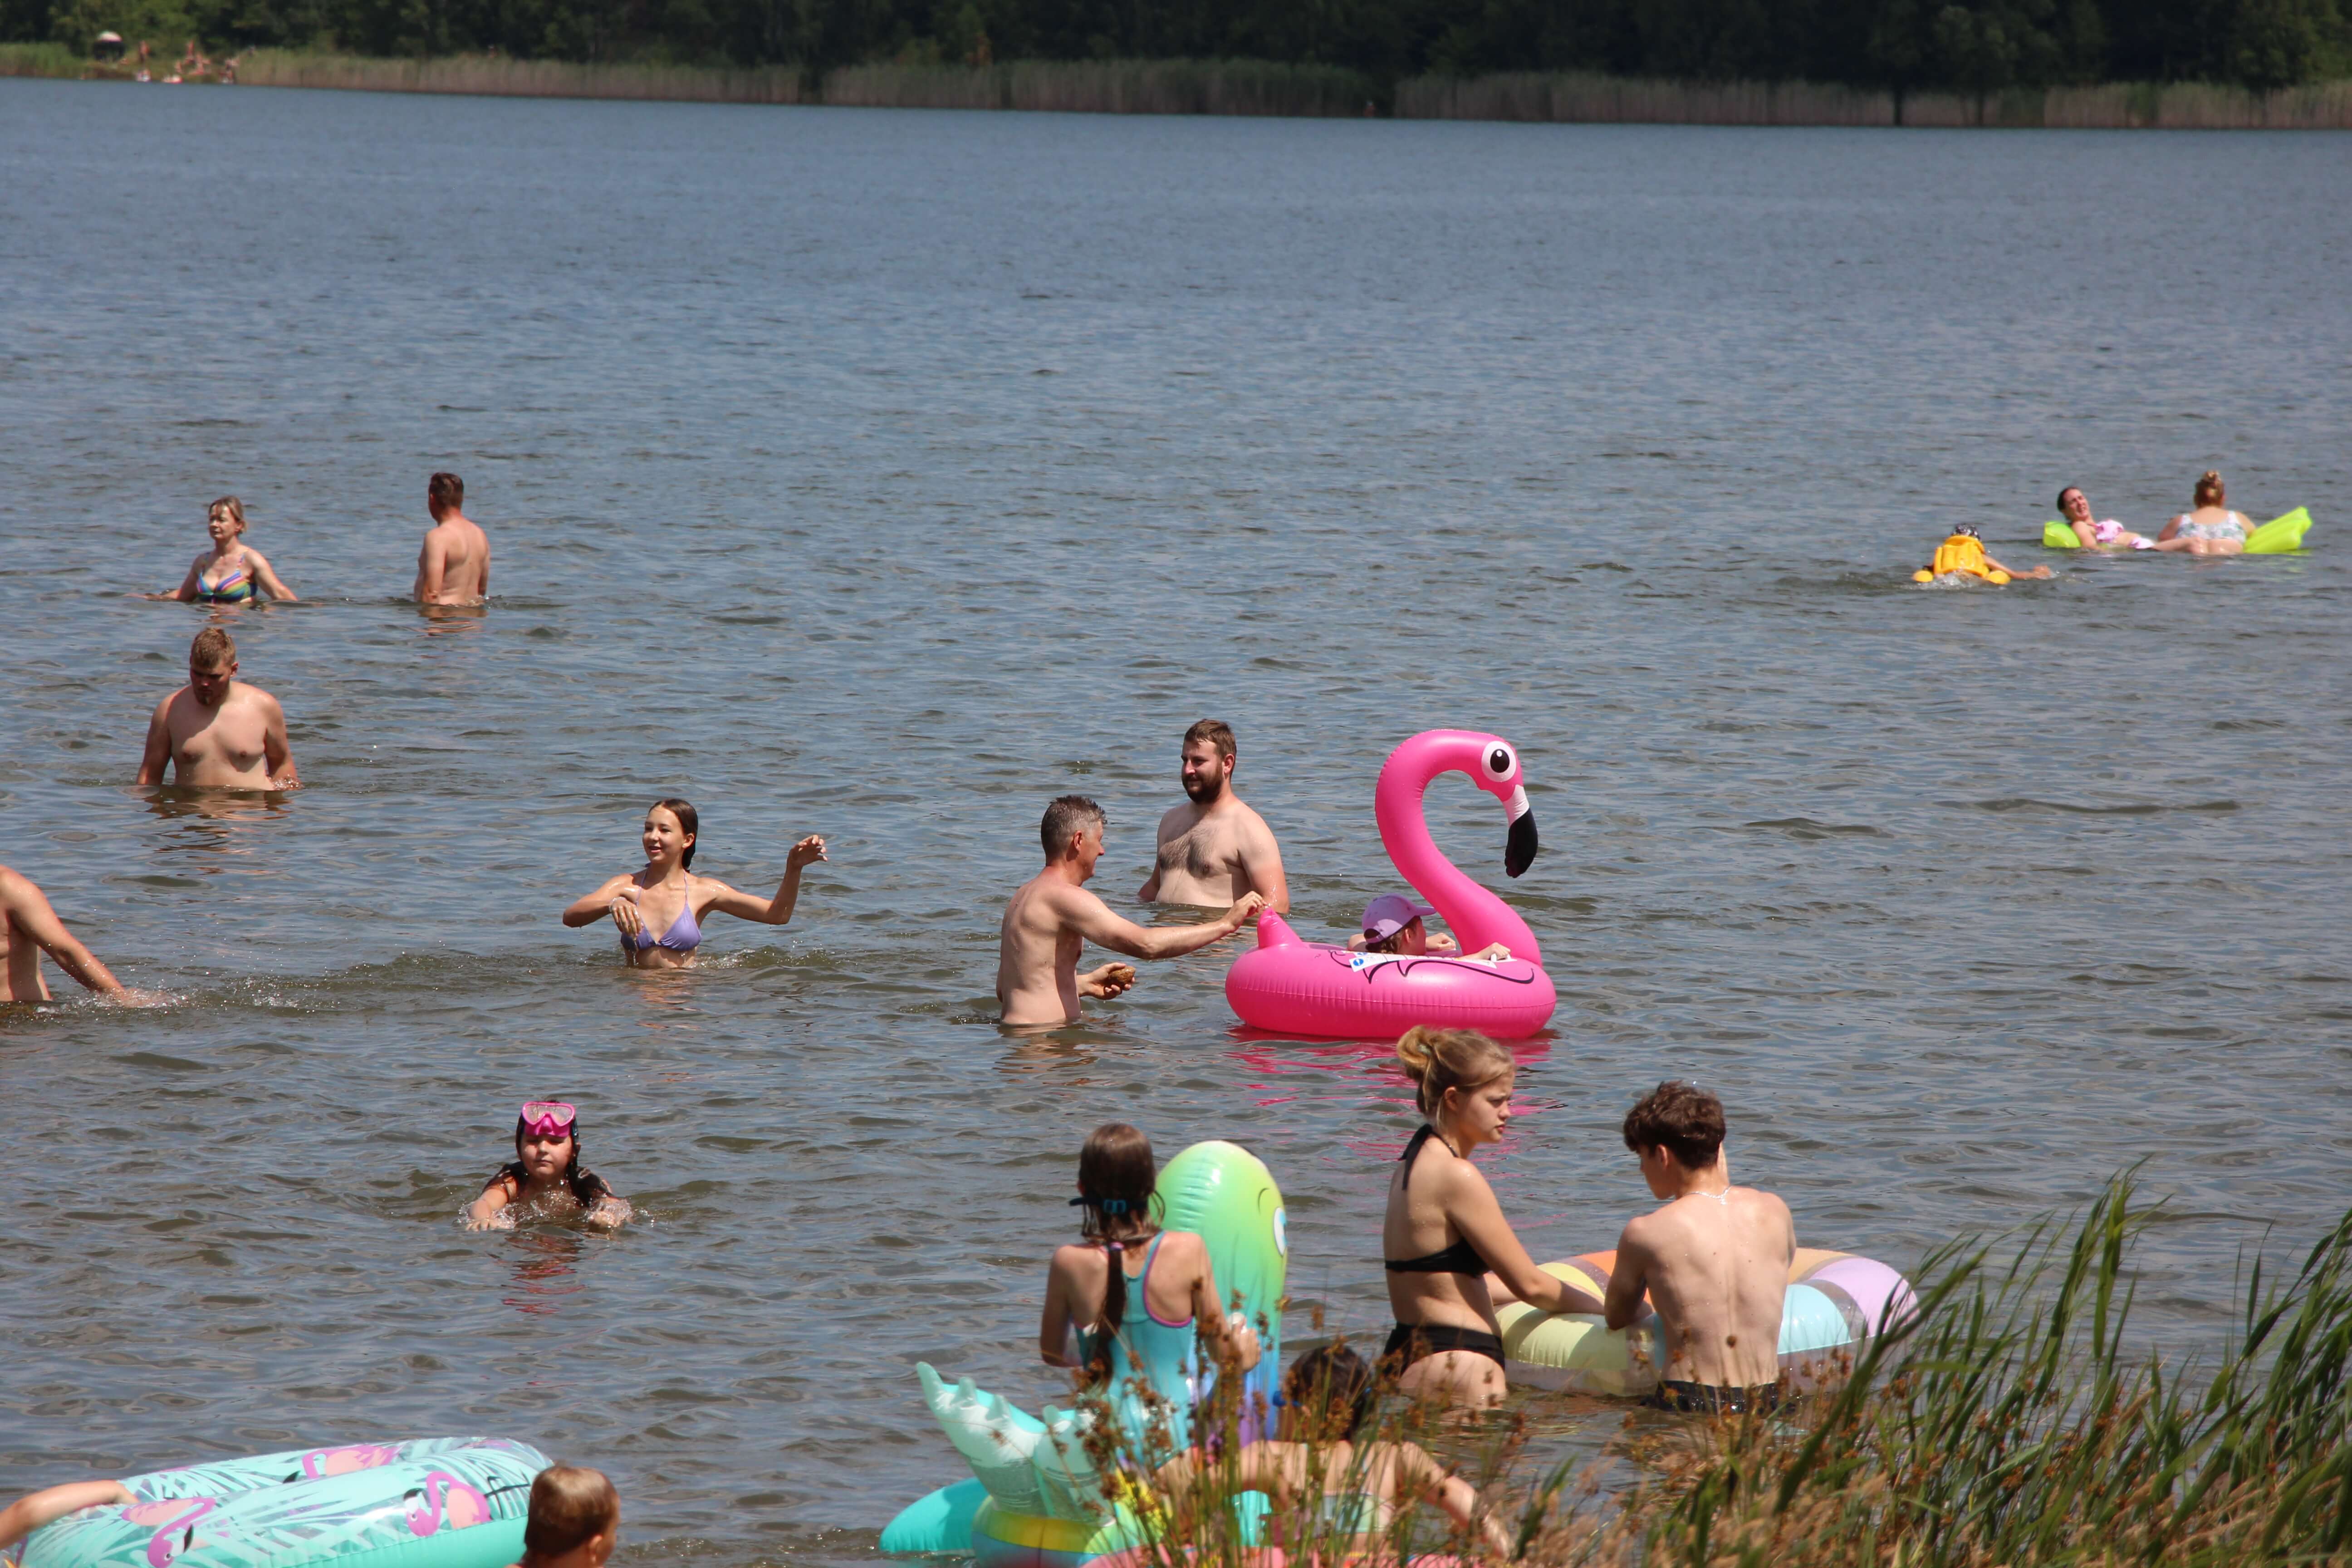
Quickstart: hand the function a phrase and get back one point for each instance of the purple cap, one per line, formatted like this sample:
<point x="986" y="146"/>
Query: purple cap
<point x="1391" y="913"/>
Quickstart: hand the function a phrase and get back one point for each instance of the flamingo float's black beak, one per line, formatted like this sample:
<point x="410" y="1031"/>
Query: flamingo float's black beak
<point x="1519" y="849"/>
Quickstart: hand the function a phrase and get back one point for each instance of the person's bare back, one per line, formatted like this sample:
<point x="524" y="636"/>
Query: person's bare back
<point x="1716" y="1266"/>
<point x="454" y="565"/>
<point x="1715" y="1260"/>
<point x="217" y="733"/>
<point x="1053" y="915"/>
<point x="1214" y="849"/>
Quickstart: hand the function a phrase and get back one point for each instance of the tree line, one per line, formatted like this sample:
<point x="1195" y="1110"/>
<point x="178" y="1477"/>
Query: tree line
<point x="1972" y="45"/>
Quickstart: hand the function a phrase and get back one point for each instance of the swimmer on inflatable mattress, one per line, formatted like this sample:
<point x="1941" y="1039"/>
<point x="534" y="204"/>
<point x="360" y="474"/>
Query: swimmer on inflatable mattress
<point x="1963" y="556"/>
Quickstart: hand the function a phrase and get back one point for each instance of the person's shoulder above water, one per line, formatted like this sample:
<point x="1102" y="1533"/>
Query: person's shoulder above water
<point x="453" y="566"/>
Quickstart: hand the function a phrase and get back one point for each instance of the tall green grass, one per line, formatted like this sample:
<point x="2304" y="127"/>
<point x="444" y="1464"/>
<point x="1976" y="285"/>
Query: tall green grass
<point x="2010" y="1425"/>
<point x="502" y="76"/>
<point x="1109" y="86"/>
<point x="41" y="59"/>
<point x="1584" y="96"/>
<point x="1097" y="86"/>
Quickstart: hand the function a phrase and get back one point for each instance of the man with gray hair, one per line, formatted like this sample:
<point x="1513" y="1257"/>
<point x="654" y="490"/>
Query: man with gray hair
<point x="1037" y="978"/>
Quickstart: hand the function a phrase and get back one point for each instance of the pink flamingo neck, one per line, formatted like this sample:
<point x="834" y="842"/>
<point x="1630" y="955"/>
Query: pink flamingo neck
<point x="1476" y="915"/>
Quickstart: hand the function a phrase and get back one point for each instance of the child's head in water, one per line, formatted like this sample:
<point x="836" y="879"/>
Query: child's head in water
<point x="547" y="1142"/>
<point x="575" y="1517"/>
<point x="547" y="1161"/>
<point x="1327" y="1396"/>
<point x="1392" y="924"/>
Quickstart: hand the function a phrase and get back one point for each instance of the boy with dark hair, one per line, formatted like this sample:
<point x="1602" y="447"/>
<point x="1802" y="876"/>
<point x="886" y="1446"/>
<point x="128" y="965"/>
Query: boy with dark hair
<point x="1715" y="1260"/>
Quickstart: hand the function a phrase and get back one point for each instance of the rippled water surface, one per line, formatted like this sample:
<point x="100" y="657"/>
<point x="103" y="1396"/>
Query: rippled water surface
<point x="885" y="475"/>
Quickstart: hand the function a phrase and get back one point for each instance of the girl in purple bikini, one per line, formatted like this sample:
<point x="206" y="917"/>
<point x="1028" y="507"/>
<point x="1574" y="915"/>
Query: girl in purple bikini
<point x="659" y="910"/>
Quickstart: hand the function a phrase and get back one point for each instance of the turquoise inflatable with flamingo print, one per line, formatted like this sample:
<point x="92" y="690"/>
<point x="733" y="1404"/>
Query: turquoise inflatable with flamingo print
<point x="435" y="1503"/>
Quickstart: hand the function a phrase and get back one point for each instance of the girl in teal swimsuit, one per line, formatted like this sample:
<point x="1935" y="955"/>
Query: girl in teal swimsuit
<point x="1128" y="1306"/>
<point x="231" y="572"/>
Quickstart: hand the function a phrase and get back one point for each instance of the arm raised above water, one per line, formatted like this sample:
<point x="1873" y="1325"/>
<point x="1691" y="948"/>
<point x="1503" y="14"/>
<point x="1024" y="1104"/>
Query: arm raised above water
<point x="1092" y="918"/>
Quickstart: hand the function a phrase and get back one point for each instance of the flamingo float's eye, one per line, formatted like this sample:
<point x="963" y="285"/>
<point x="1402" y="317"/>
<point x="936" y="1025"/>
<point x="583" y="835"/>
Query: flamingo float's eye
<point x="1500" y="762"/>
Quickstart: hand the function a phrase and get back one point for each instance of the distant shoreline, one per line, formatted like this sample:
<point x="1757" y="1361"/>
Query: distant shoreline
<point x="1267" y="87"/>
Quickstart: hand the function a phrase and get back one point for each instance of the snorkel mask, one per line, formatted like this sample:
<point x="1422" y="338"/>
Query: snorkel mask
<point x="547" y="1118"/>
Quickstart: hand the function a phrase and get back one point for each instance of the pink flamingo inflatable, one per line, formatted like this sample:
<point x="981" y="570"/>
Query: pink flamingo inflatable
<point x="1316" y="989"/>
<point x="444" y="1499"/>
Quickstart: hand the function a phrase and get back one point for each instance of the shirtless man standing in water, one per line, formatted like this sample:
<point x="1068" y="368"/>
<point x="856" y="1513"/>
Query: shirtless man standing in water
<point x="28" y="927"/>
<point x="1715" y="1260"/>
<point x="454" y="567"/>
<point x="217" y="732"/>
<point x="1037" y="978"/>
<point x="1215" y="850"/>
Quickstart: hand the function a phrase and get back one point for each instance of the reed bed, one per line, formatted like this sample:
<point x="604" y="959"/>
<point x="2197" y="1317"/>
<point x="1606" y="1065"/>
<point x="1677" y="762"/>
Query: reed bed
<point x="1109" y="86"/>
<point x="1271" y="87"/>
<point x="2009" y="1425"/>
<point x="41" y="59"/>
<point x="1572" y="97"/>
<point x="499" y="76"/>
<point x="1585" y="96"/>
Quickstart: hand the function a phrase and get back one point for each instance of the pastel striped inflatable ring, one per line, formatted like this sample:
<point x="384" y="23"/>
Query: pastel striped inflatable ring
<point x="436" y="1503"/>
<point x="1836" y="1302"/>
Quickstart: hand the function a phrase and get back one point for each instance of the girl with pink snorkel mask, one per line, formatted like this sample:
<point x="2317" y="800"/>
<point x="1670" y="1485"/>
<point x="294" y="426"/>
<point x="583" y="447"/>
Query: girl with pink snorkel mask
<point x="546" y="1169"/>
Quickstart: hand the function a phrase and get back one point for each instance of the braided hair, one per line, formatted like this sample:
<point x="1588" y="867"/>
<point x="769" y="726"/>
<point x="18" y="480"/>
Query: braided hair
<point x="1116" y="1177"/>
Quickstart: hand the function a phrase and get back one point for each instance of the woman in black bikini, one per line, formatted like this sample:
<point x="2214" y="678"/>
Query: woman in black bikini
<point x="1445" y="1234"/>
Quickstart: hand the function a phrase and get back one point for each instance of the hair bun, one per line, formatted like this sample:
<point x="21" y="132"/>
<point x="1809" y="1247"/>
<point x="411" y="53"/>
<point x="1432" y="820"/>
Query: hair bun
<point x="1413" y="1049"/>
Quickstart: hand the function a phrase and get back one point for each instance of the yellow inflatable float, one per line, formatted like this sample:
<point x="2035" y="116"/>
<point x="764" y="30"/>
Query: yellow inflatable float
<point x="1963" y="555"/>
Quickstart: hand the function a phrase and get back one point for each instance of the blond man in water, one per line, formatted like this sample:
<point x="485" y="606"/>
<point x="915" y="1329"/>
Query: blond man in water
<point x="217" y="733"/>
<point x="1053" y="915"/>
<point x="1715" y="1260"/>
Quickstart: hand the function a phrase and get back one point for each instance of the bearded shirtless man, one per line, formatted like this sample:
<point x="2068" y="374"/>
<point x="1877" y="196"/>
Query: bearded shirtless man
<point x="453" y="567"/>
<point x="28" y="927"/>
<point x="1037" y="978"/>
<point x="1215" y="850"/>
<point x="217" y="732"/>
<point x="1715" y="1260"/>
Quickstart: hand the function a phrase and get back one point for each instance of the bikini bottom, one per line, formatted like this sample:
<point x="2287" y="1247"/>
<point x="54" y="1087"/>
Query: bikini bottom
<point x="1712" y="1399"/>
<point x="1410" y="1342"/>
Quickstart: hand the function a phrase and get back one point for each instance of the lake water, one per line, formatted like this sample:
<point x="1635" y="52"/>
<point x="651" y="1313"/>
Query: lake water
<point x="885" y="475"/>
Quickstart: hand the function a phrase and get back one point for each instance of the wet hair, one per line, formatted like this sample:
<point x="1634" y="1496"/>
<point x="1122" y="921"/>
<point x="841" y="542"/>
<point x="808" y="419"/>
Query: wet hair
<point x="1217" y="732"/>
<point x="569" y="1505"/>
<point x="1440" y="1059"/>
<point x="1116" y="1177"/>
<point x="587" y="1187"/>
<point x="446" y="490"/>
<point x="684" y="811"/>
<point x="1394" y="940"/>
<point x="231" y="505"/>
<point x="213" y="649"/>
<point x="2070" y="491"/>
<point x="2208" y="489"/>
<point x="1065" y="820"/>
<point x="1333" y="1391"/>
<point x="1681" y="1118"/>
